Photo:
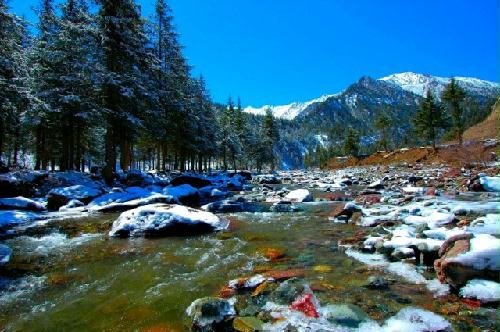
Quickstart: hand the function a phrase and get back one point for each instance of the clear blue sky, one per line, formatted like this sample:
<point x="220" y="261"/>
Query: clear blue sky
<point x="279" y="51"/>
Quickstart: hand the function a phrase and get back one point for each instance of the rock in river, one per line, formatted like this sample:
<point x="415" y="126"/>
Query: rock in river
<point x="209" y="314"/>
<point x="165" y="220"/>
<point x="58" y="197"/>
<point x="5" y="253"/>
<point x="299" y="196"/>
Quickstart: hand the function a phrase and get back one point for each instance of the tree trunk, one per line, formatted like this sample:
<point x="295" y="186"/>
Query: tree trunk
<point x="110" y="153"/>
<point x="2" y="136"/>
<point x="78" y="154"/>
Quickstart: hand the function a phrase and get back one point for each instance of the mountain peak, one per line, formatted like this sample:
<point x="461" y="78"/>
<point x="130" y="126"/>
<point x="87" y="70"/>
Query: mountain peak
<point x="419" y="84"/>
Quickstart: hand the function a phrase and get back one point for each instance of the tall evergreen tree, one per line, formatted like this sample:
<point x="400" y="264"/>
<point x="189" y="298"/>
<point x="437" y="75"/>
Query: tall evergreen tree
<point x="383" y="123"/>
<point x="429" y="119"/>
<point x="351" y="143"/>
<point x="74" y="94"/>
<point x="270" y="138"/>
<point x="126" y="82"/>
<point x="453" y="95"/>
<point x="14" y="91"/>
<point x="44" y="76"/>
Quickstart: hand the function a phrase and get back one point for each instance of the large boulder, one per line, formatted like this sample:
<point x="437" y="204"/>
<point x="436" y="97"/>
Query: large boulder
<point x="134" y="203"/>
<point x="20" y="203"/>
<point x="11" y="186"/>
<point x="136" y="178"/>
<point x="464" y="257"/>
<point x="193" y="181"/>
<point x="184" y="193"/>
<point x="58" y="197"/>
<point x="165" y="220"/>
<point x="211" y="314"/>
<point x="490" y="183"/>
<point x="299" y="196"/>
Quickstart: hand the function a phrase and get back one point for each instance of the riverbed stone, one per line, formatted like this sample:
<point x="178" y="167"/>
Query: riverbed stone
<point x="194" y="181"/>
<point x="158" y="220"/>
<point x="211" y="313"/>
<point x="5" y="254"/>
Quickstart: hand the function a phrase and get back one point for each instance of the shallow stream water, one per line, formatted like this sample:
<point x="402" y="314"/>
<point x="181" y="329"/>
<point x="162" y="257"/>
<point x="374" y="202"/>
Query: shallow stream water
<point x="72" y="277"/>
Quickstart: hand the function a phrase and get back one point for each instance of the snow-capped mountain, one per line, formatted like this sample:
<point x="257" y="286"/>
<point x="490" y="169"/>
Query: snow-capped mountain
<point x="419" y="84"/>
<point x="287" y="112"/>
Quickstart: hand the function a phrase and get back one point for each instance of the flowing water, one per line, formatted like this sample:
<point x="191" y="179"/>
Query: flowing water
<point x="72" y="277"/>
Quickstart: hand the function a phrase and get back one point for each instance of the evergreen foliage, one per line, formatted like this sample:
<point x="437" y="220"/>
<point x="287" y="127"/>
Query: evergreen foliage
<point x="429" y="119"/>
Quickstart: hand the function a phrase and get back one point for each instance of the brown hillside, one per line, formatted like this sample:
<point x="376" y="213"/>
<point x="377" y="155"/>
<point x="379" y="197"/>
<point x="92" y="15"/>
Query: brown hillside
<point x="486" y="129"/>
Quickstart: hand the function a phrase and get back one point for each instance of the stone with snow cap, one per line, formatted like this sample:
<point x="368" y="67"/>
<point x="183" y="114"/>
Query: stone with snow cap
<point x="490" y="183"/>
<point x="299" y="196"/>
<point x="165" y="220"/>
<point x="58" y="197"/>
<point x="5" y="253"/>
<point x="20" y="203"/>
<point x="209" y="313"/>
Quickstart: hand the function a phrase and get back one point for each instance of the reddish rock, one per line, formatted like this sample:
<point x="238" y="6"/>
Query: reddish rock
<point x="431" y="192"/>
<point x="285" y="274"/>
<point x="457" y="274"/>
<point x="368" y="199"/>
<point x="304" y="304"/>
<point x="452" y="173"/>
<point x="227" y="292"/>
<point x="273" y="254"/>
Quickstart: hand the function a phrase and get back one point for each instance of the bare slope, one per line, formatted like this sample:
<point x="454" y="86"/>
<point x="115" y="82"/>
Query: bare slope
<point x="487" y="129"/>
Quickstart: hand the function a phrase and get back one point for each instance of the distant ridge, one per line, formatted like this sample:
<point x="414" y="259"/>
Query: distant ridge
<point x="415" y="83"/>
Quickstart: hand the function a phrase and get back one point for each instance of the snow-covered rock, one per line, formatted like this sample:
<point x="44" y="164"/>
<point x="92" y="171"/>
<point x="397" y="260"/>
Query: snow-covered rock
<point x="207" y="312"/>
<point x="184" y="193"/>
<point x="415" y="320"/>
<point x="58" y="197"/>
<point x="20" y="203"/>
<point x="119" y="196"/>
<point x="483" y="290"/>
<point x="284" y="206"/>
<point x="5" y="253"/>
<point x="267" y="179"/>
<point x="134" y="203"/>
<point x="490" y="183"/>
<point x="299" y="195"/>
<point x="9" y="218"/>
<point x="165" y="220"/>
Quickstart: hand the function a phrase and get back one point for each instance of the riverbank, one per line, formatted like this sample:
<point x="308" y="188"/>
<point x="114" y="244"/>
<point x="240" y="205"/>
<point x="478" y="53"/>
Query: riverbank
<point x="365" y="248"/>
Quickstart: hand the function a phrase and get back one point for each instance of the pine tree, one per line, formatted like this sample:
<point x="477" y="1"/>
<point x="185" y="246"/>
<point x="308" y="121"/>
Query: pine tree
<point x="43" y="114"/>
<point x="383" y="123"/>
<point x="14" y="90"/>
<point x="429" y="119"/>
<point x="73" y="65"/>
<point x="270" y="138"/>
<point x="126" y="89"/>
<point x="453" y="95"/>
<point x="351" y="143"/>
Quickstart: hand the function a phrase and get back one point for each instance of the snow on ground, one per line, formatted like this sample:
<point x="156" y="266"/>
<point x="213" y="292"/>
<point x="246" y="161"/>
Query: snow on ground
<point x="483" y="290"/>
